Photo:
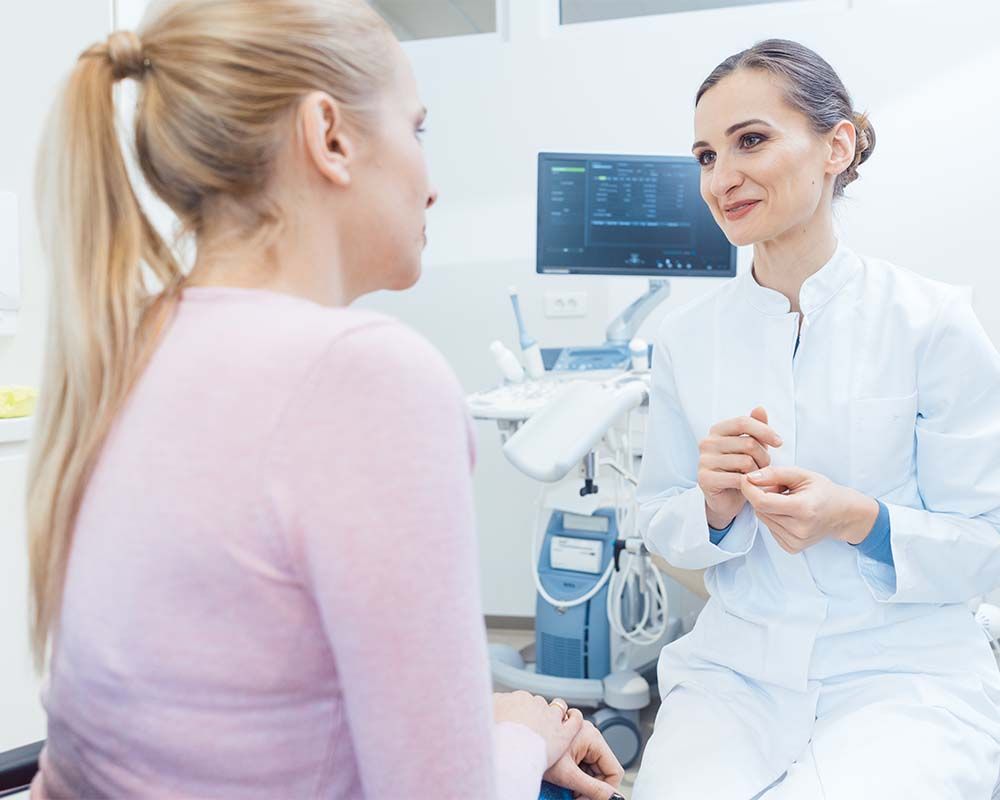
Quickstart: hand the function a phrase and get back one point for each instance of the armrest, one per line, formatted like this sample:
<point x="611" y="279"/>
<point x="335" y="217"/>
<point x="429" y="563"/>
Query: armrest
<point x="18" y="767"/>
<point x="691" y="579"/>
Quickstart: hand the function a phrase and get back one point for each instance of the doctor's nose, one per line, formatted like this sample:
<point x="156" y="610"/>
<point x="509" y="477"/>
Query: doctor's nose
<point x="725" y="178"/>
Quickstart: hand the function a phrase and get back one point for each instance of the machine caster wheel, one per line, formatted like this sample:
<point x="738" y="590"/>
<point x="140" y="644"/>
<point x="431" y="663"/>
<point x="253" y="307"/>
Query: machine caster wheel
<point x="621" y="732"/>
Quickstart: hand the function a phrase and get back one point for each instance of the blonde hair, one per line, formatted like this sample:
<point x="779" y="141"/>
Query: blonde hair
<point x="219" y="79"/>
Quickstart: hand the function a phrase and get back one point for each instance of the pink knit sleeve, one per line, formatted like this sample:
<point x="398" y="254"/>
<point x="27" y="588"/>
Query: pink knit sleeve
<point x="372" y="488"/>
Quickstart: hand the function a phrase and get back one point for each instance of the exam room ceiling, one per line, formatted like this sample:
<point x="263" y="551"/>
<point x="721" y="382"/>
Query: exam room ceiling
<point x="424" y="19"/>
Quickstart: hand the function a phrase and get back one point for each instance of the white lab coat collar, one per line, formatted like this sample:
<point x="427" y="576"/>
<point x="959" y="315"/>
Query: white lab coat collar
<point x="817" y="290"/>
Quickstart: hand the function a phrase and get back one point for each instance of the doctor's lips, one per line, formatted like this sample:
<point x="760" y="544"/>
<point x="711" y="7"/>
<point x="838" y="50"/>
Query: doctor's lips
<point x="739" y="209"/>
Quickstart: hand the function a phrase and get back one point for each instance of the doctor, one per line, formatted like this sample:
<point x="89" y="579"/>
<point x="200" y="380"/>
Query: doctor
<point x="849" y="517"/>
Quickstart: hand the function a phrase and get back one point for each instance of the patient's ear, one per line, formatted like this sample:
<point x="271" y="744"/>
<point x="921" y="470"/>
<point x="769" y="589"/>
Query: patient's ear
<point x="329" y="146"/>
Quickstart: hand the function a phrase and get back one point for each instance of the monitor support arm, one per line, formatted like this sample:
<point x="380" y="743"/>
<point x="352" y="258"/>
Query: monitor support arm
<point x="624" y="327"/>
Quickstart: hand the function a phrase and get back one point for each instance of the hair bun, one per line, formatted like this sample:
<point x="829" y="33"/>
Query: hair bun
<point x="866" y="138"/>
<point x="126" y="56"/>
<point x="863" y="147"/>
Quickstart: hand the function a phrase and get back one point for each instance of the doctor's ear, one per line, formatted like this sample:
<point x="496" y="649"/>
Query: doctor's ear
<point x="842" y="141"/>
<point x="328" y="145"/>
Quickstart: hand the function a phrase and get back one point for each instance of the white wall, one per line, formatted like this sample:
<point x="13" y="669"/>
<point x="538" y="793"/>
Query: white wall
<point x="38" y="45"/>
<point x="926" y="71"/>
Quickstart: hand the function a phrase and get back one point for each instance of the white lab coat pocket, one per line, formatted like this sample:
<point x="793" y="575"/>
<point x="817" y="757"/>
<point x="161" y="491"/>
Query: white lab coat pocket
<point x="883" y="443"/>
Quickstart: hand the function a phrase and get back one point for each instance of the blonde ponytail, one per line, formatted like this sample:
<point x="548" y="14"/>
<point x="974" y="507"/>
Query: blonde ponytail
<point x="217" y="80"/>
<point x="98" y="300"/>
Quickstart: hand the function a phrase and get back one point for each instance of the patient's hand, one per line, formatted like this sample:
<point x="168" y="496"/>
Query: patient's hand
<point x="589" y="768"/>
<point x="557" y="726"/>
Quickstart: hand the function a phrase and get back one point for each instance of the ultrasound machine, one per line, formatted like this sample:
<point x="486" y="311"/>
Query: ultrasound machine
<point x="625" y="215"/>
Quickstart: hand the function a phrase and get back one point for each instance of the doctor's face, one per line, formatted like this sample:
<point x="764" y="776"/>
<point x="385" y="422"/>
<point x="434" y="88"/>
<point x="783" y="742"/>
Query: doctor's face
<point x="762" y="165"/>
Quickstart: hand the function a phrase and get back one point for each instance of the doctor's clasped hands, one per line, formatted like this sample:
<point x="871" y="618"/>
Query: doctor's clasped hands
<point x="799" y="507"/>
<point x="732" y="449"/>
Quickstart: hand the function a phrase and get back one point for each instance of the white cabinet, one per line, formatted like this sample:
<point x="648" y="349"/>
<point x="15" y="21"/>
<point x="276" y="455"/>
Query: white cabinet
<point x="14" y="434"/>
<point x="22" y="718"/>
<point x="10" y="269"/>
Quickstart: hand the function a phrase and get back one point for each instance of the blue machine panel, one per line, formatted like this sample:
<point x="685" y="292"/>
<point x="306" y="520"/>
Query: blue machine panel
<point x="575" y="643"/>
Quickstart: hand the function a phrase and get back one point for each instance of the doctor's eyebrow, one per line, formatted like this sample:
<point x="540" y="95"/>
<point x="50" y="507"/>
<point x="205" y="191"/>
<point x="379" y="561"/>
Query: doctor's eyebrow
<point x="733" y="128"/>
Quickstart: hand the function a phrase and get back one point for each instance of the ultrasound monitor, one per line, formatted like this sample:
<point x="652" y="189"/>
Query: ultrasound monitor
<point x="627" y="215"/>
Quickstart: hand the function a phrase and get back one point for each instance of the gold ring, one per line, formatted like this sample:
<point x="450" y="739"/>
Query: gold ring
<point x="560" y="703"/>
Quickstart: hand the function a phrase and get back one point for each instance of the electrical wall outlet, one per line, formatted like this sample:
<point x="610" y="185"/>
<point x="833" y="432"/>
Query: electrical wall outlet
<point x="565" y="304"/>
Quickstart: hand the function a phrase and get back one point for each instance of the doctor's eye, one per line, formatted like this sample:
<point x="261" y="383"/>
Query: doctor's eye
<point x="749" y="140"/>
<point x="705" y="158"/>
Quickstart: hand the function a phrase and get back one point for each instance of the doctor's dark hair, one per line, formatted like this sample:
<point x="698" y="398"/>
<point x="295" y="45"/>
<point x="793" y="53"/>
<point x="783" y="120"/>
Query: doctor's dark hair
<point x="218" y="84"/>
<point x="811" y="87"/>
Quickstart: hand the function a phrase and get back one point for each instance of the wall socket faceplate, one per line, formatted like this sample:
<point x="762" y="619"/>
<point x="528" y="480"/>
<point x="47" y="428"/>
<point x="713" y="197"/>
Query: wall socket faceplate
<point x="565" y="304"/>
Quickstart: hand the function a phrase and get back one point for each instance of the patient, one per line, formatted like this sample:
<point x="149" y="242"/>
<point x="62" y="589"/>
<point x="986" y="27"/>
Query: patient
<point x="253" y="559"/>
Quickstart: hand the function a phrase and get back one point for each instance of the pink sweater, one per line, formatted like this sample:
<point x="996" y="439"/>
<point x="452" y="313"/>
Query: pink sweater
<point x="273" y="589"/>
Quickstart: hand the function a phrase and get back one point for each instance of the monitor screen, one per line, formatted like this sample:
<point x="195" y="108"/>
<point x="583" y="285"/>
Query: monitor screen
<point x="627" y="215"/>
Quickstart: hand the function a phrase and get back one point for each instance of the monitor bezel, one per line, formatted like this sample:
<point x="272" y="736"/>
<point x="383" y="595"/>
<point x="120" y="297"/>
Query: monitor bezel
<point x="617" y="271"/>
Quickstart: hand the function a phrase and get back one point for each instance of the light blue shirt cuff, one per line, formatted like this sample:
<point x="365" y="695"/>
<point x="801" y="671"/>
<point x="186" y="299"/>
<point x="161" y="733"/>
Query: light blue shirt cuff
<point x="878" y="544"/>
<point x="718" y="535"/>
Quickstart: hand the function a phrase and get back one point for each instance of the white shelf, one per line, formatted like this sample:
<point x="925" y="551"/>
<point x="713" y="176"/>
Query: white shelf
<point x="15" y="430"/>
<point x="14" y="435"/>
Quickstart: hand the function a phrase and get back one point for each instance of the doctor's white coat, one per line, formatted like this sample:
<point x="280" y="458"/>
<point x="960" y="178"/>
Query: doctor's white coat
<point x="895" y="391"/>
